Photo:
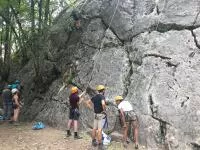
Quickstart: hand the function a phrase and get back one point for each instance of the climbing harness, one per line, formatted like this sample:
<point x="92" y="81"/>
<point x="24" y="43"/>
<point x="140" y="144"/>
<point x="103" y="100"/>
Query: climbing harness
<point x="105" y="124"/>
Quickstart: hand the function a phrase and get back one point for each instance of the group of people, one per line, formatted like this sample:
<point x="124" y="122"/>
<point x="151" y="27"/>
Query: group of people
<point x="11" y="102"/>
<point x="98" y="104"/>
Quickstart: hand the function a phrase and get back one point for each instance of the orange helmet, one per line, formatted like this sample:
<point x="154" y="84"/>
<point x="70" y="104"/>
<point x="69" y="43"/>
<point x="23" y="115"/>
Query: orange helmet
<point x="74" y="89"/>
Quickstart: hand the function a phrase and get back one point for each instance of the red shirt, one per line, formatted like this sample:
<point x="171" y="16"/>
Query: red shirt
<point x="74" y="99"/>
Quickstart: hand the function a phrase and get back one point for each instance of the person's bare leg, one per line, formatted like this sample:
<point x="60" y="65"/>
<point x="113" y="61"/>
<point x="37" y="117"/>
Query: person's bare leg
<point x="135" y="133"/>
<point x="99" y="135"/>
<point x="76" y="136"/>
<point x="69" y="127"/>
<point x="75" y="126"/>
<point x="69" y="124"/>
<point x="16" y="114"/>
<point x="93" y="133"/>
<point x="94" y="143"/>
<point x="125" y="134"/>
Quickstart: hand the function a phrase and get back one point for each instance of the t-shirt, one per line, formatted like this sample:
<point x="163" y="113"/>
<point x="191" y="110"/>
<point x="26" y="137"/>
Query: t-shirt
<point x="125" y="106"/>
<point x="97" y="101"/>
<point x="7" y="96"/>
<point x="74" y="99"/>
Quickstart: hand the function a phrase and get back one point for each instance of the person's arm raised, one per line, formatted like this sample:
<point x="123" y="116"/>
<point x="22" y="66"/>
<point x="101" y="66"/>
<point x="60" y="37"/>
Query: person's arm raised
<point x="89" y="104"/>
<point x="81" y="98"/>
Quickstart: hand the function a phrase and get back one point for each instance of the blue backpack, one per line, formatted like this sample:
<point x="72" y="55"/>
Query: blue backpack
<point x="1" y="117"/>
<point x="38" y="125"/>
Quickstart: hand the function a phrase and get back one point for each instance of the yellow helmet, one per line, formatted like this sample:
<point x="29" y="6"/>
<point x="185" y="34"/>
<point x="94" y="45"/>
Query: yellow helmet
<point x="74" y="89"/>
<point x="100" y="87"/>
<point x="118" y="98"/>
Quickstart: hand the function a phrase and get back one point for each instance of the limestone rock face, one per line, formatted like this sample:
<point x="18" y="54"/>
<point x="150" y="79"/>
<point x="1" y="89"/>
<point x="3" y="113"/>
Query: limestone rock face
<point x="149" y="54"/>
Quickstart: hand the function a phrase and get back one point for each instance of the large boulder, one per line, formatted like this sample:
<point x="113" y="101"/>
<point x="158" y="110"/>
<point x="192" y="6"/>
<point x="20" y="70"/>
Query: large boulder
<point x="149" y="54"/>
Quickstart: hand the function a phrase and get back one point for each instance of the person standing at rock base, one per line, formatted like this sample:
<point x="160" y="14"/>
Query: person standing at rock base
<point x="16" y="105"/>
<point x="99" y="105"/>
<point x="128" y="117"/>
<point x="7" y="102"/>
<point x="74" y="114"/>
<point x="76" y="17"/>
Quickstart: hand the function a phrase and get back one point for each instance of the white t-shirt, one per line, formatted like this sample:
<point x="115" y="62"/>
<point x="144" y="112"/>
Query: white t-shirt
<point x="125" y="106"/>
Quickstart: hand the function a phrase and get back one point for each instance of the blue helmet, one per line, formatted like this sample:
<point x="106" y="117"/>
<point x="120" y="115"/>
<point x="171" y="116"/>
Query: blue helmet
<point x="14" y="86"/>
<point x="9" y="86"/>
<point x="17" y="82"/>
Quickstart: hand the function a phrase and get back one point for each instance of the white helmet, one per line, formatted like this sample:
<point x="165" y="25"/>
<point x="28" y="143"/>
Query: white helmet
<point x="14" y="91"/>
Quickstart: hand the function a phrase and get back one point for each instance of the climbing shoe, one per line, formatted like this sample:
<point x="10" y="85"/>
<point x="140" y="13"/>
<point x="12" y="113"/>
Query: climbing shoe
<point x="136" y="146"/>
<point x="76" y="136"/>
<point x="68" y="133"/>
<point x="94" y="142"/>
<point x="127" y="141"/>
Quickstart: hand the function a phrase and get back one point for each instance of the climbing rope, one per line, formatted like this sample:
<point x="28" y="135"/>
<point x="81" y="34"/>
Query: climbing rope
<point x="83" y="5"/>
<point x="103" y="40"/>
<point x="102" y="43"/>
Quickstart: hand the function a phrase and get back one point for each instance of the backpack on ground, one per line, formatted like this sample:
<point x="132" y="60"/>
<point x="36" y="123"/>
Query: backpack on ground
<point x="106" y="139"/>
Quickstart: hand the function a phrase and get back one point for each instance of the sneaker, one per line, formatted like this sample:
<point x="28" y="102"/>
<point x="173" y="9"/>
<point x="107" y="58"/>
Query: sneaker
<point x="136" y="146"/>
<point x="127" y="141"/>
<point x="94" y="142"/>
<point x="68" y="133"/>
<point x="77" y="137"/>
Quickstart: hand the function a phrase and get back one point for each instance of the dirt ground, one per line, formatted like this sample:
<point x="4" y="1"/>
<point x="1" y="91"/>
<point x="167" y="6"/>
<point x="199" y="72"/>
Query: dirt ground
<point x="22" y="137"/>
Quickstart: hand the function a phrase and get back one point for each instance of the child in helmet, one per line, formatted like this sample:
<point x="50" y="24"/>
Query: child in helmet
<point x="128" y="116"/>
<point x="74" y="114"/>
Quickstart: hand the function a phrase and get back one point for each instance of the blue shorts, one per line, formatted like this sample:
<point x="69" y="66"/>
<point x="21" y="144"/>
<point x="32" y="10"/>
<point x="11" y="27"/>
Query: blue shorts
<point x="8" y="111"/>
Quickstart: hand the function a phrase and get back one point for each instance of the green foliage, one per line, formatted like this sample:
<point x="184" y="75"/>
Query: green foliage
<point x="16" y="57"/>
<point x="3" y="4"/>
<point x="71" y="3"/>
<point x="19" y="25"/>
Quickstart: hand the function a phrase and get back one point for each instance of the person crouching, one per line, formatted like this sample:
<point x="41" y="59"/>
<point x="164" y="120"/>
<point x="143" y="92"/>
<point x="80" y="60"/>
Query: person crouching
<point x="128" y="116"/>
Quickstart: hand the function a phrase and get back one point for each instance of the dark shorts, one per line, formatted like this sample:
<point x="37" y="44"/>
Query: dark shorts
<point x="74" y="114"/>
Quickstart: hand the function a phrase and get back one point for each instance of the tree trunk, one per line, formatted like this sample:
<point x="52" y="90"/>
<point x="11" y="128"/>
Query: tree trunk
<point x="6" y="70"/>
<point x="40" y="15"/>
<point x="32" y="17"/>
<point x="46" y="13"/>
<point x="22" y="45"/>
